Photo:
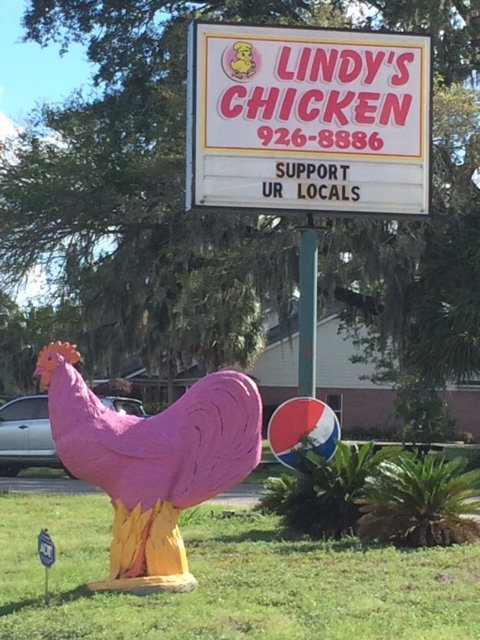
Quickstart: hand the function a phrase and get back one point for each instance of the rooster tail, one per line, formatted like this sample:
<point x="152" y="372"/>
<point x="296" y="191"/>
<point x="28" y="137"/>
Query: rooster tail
<point x="224" y="414"/>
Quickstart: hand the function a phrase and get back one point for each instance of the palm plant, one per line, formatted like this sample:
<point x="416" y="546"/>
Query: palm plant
<point x="277" y="493"/>
<point x="415" y="503"/>
<point x="324" y="501"/>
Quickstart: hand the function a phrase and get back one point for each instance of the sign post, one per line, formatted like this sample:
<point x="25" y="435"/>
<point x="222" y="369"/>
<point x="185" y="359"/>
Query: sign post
<point x="46" y="554"/>
<point x="308" y="312"/>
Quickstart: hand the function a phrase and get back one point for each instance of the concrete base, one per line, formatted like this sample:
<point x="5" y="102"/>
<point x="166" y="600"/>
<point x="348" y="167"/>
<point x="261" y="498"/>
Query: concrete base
<point x="180" y="583"/>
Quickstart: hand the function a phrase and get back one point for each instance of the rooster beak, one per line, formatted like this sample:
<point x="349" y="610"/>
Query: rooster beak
<point x="44" y="376"/>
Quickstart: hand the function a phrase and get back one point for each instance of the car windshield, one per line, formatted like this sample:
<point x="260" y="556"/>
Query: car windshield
<point x="129" y="407"/>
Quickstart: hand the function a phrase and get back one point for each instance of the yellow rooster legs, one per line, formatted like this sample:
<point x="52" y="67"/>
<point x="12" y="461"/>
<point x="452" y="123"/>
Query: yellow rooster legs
<point x="147" y="552"/>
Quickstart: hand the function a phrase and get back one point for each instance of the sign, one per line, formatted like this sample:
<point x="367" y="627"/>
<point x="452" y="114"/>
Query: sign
<point x="298" y="120"/>
<point x="297" y="418"/>
<point x="46" y="549"/>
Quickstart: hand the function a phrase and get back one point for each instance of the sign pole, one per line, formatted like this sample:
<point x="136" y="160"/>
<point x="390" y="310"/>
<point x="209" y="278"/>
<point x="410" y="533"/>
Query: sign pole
<point x="46" y="554"/>
<point x="308" y="311"/>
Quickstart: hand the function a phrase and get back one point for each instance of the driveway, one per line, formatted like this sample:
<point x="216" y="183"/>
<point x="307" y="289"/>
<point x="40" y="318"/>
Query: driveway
<point x="242" y="495"/>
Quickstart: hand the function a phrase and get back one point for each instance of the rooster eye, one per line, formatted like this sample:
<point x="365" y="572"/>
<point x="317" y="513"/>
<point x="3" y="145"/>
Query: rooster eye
<point x="49" y="358"/>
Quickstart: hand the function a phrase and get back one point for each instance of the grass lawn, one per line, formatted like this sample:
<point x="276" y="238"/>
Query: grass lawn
<point x="253" y="582"/>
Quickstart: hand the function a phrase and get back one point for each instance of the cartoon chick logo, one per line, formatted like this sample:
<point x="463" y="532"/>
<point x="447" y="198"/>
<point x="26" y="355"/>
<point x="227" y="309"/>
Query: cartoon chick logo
<point x="241" y="61"/>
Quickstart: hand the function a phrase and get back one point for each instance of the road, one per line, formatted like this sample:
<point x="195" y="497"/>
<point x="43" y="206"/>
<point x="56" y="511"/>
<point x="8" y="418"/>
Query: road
<point x="243" y="495"/>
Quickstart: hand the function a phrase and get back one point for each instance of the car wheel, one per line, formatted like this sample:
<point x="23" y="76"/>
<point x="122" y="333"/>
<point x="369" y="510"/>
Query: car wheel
<point x="9" y="472"/>
<point x="70" y="474"/>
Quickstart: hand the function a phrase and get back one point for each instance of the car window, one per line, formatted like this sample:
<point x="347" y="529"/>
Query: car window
<point x="128" y="407"/>
<point x="23" y="409"/>
<point x="42" y="407"/>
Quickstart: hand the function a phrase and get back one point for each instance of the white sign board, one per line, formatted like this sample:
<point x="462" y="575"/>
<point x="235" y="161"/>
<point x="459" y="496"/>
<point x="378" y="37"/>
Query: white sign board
<point x="289" y="119"/>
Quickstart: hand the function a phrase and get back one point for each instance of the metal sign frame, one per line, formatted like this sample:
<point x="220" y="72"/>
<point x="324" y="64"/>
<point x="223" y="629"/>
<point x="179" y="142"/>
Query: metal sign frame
<point x="317" y="170"/>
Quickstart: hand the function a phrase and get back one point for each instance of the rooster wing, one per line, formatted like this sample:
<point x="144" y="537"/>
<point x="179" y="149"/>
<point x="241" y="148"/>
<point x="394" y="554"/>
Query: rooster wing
<point x="205" y="443"/>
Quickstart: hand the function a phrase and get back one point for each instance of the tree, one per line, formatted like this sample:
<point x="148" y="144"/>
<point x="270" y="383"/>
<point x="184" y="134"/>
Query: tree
<point x="98" y="177"/>
<point x="15" y="347"/>
<point x="455" y="26"/>
<point x="23" y="332"/>
<point x="424" y="324"/>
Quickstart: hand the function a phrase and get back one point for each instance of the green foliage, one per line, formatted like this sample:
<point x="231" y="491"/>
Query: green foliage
<point x="386" y="434"/>
<point x="417" y="503"/>
<point x="99" y="200"/>
<point x="23" y="332"/>
<point x="472" y="461"/>
<point x="152" y="408"/>
<point x="454" y="25"/>
<point x="102" y="208"/>
<point x="465" y="436"/>
<point x="277" y="493"/>
<point x="426" y="416"/>
<point x="17" y="355"/>
<point x="419" y="289"/>
<point x="324" y="502"/>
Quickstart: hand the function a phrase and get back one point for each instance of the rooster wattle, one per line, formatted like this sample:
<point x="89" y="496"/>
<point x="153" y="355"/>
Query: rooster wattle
<point x="154" y="467"/>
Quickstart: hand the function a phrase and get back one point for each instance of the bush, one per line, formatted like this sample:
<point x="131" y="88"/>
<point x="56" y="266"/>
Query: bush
<point x="416" y="503"/>
<point x="426" y="415"/>
<point x="466" y="437"/>
<point x="384" y="434"/>
<point x="152" y="408"/>
<point x="322" y="500"/>
<point x="277" y="493"/>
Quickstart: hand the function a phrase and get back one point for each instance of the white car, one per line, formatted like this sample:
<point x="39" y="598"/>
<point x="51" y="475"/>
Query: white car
<point x="25" y="434"/>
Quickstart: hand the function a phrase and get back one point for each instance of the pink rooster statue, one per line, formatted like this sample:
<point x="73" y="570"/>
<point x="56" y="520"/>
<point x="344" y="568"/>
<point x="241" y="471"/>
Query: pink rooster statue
<point x="153" y="467"/>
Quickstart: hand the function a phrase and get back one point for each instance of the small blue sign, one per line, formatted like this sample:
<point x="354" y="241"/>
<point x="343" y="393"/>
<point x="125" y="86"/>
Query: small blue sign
<point x="46" y="549"/>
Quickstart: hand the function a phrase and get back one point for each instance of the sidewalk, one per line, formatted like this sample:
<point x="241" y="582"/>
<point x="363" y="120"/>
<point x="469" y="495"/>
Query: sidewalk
<point x="241" y="496"/>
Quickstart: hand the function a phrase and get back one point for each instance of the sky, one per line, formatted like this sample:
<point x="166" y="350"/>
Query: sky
<point x="30" y="74"/>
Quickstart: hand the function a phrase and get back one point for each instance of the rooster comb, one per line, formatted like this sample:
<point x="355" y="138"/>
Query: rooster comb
<point x="69" y="351"/>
